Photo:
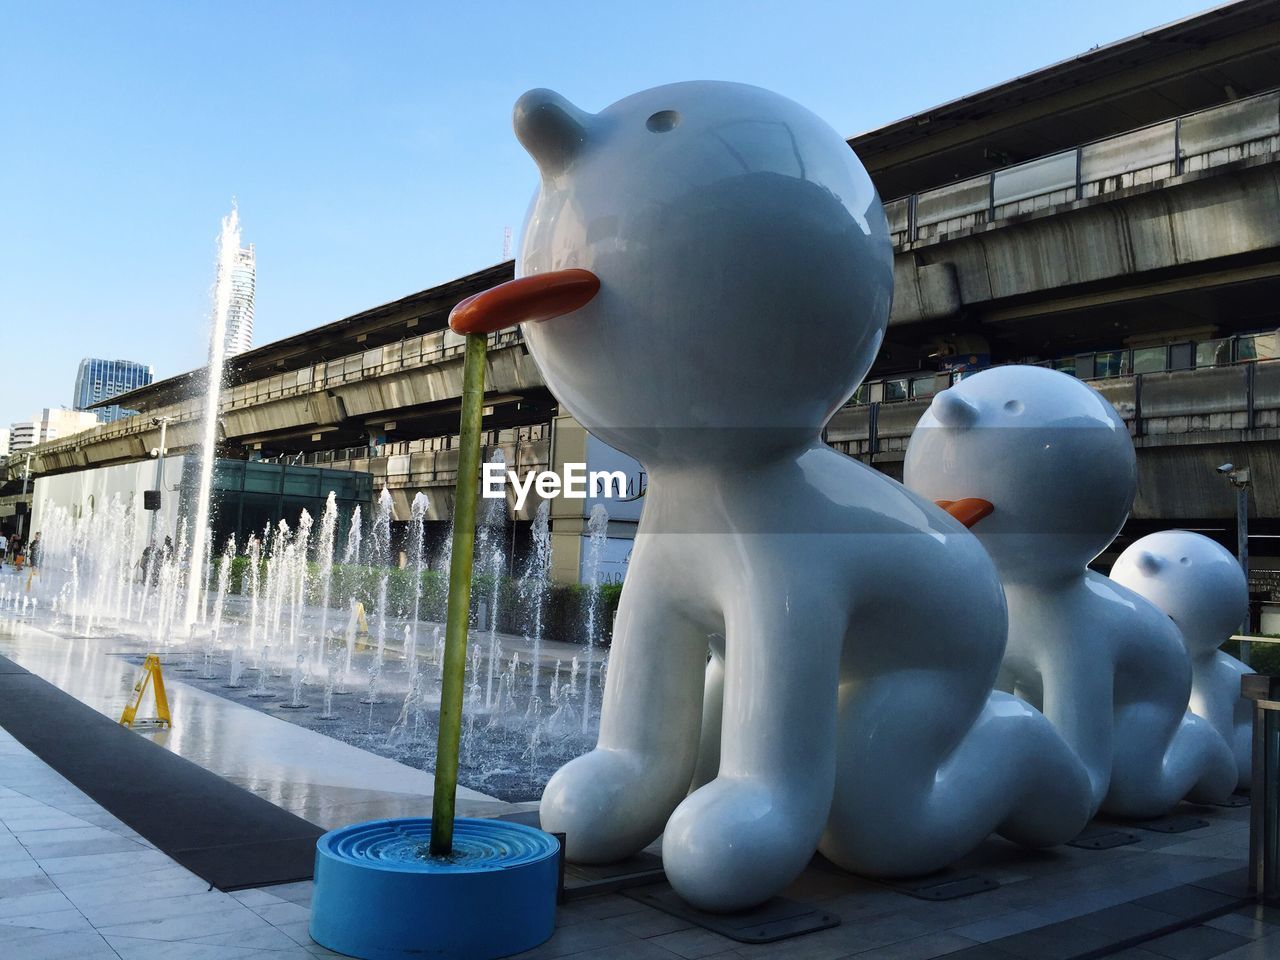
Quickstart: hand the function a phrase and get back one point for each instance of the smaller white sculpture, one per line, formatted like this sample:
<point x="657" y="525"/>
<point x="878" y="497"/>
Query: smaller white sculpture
<point x="1200" y="585"/>
<point x="1053" y="466"/>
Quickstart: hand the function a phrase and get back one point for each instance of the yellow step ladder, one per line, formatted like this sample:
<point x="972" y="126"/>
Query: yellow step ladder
<point x="150" y="674"/>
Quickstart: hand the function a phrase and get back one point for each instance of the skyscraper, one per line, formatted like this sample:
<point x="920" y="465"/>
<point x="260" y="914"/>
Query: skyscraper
<point x="239" y="337"/>
<point x="101" y="379"/>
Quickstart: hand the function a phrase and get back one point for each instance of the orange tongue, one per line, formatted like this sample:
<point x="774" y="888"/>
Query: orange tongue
<point x="526" y="300"/>
<point x="968" y="511"/>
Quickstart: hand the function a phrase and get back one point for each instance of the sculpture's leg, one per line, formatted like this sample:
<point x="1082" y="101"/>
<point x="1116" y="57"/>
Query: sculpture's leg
<point x="909" y="802"/>
<point x="1197" y="763"/>
<point x="612" y="802"/>
<point x="745" y="835"/>
<point x="1161" y="753"/>
<point x="712" y="721"/>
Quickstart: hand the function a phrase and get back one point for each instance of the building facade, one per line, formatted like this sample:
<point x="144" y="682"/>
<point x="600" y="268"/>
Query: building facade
<point x="99" y="379"/>
<point x="49" y="424"/>
<point x="239" y="336"/>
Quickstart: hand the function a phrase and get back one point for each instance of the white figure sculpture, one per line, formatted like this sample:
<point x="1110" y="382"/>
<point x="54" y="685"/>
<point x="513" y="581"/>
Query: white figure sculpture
<point x="1201" y="587"/>
<point x="745" y="275"/>
<point x="1056" y="465"/>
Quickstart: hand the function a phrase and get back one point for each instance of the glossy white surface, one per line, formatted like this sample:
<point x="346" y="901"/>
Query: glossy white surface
<point x="1106" y="667"/>
<point x="1201" y="587"/>
<point x="746" y="276"/>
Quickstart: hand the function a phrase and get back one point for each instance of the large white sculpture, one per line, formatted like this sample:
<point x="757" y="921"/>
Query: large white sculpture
<point x="1055" y="462"/>
<point x="745" y="275"/>
<point x="1202" y="588"/>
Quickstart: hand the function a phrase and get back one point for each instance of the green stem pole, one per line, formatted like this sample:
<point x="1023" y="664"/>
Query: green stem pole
<point x="455" y="631"/>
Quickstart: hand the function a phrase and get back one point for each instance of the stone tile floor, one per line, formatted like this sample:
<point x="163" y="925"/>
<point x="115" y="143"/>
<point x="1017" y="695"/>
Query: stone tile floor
<point x="77" y="884"/>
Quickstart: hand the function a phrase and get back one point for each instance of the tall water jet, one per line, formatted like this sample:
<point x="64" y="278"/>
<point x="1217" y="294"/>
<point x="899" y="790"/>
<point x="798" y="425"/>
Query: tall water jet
<point x="299" y="579"/>
<point x="351" y="552"/>
<point x="324" y="575"/>
<point x="254" y="575"/>
<point x="382" y="557"/>
<point x="537" y="580"/>
<point x="418" y="558"/>
<point x="598" y="528"/>
<point x="228" y="250"/>
<point x="224" y="579"/>
<point x="491" y="559"/>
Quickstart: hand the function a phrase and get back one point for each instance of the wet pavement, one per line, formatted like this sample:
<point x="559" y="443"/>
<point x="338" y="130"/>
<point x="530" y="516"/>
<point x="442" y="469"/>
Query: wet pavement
<point x="320" y="779"/>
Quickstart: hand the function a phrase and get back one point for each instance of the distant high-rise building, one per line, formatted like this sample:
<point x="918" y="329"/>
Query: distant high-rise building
<point x="239" y="336"/>
<point x="102" y="379"/>
<point x="49" y="424"/>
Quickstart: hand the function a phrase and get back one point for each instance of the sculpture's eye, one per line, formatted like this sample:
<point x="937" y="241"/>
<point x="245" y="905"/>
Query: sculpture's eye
<point x="1185" y="561"/>
<point x="663" y="120"/>
<point x="1013" y="406"/>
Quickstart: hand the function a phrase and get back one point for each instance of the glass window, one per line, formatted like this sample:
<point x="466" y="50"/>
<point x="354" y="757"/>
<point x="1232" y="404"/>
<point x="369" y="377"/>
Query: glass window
<point x="1113" y="363"/>
<point x="895" y="390"/>
<point x="1066" y="365"/>
<point x="1211" y="353"/>
<point x="303" y="482"/>
<point x="262" y="478"/>
<point x="860" y="395"/>
<point x="228" y="475"/>
<point x="1180" y="356"/>
<point x="1261" y="346"/>
<point x="924" y="386"/>
<point x="1150" y="360"/>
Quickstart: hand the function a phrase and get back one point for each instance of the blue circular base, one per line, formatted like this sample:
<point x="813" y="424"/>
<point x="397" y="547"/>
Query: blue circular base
<point x="380" y="896"/>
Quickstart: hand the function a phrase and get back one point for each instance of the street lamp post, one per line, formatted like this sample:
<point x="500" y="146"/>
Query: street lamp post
<point x="158" y="453"/>
<point x="26" y="478"/>
<point x="1239" y="479"/>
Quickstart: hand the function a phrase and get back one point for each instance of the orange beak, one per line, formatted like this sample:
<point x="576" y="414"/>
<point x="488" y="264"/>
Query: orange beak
<point x="968" y="511"/>
<point x="526" y="300"/>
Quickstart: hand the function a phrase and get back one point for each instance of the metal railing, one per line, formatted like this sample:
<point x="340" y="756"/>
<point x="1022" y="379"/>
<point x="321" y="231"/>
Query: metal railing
<point x="1094" y="365"/>
<point x="425" y="350"/>
<point x="1194" y="141"/>
<point x="1243" y="395"/>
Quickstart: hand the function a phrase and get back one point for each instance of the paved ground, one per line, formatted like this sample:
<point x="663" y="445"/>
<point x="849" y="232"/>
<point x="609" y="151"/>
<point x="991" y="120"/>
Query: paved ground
<point x="76" y="884"/>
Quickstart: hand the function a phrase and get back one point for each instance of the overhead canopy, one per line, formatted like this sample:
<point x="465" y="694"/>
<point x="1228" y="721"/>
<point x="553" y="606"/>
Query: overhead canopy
<point x="1213" y="57"/>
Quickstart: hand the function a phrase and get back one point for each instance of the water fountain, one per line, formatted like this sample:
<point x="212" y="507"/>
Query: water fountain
<point x="598" y="529"/>
<point x="228" y="251"/>
<point x="382" y="557"/>
<point x="491" y="562"/>
<point x="236" y="667"/>
<point x="417" y="559"/>
<point x="266" y="606"/>
<point x="537" y="580"/>
<point x="299" y="674"/>
<point x="324" y="557"/>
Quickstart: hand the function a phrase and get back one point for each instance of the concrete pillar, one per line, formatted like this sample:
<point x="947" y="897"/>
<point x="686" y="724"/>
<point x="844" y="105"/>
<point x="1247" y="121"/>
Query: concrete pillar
<point x="568" y="445"/>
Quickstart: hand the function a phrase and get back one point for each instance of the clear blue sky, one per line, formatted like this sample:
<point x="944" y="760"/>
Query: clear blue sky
<point x="369" y="143"/>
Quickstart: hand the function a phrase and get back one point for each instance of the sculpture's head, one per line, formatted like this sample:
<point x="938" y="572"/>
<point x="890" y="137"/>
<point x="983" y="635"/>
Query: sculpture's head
<point x="1193" y="579"/>
<point x="1047" y="451"/>
<point x="744" y="266"/>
